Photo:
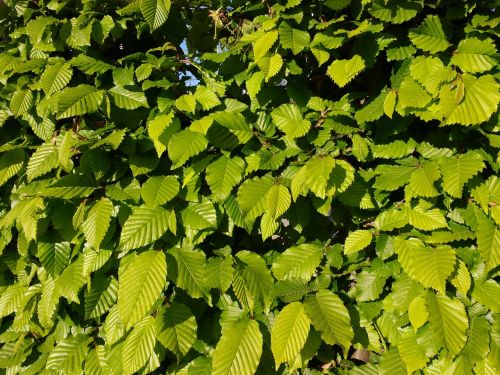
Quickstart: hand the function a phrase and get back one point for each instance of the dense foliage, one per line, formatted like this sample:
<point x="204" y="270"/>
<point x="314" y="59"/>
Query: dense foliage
<point x="239" y="187"/>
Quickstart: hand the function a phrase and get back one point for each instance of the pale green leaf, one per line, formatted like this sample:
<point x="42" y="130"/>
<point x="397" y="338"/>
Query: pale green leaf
<point x="21" y="102"/>
<point x="200" y="215"/>
<point x="390" y="103"/>
<point x="479" y="104"/>
<point x="423" y="178"/>
<point x="127" y="99"/>
<point x="223" y="174"/>
<point x="425" y="220"/>
<point x="278" y="201"/>
<point x="449" y="321"/>
<point x="155" y="12"/>
<point x="68" y="355"/>
<point x="458" y="170"/>
<point x="42" y="161"/>
<point x="161" y="129"/>
<point x="79" y="100"/>
<point x="252" y="195"/>
<point x="429" y="266"/>
<point x="184" y="145"/>
<point x="158" y="190"/>
<point x="55" y="78"/>
<point x="140" y="285"/>
<point x="294" y="39"/>
<point x="474" y="55"/>
<point x="97" y="362"/>
<point x="343" y="71"/>
<point x="191" y="271"/>
<point x="289" y="120"/>
<point x="96" y="223"/>
<point x="417" y="313"/>
<point x="11" y="163"/>
<point x="239" y="349"/>
<point x="298" y="261"/>
<point x="144" y="226"/>
<point x="429" y="36"/>
<point x="139" y="346"/>
<point x="357" y="241"/>
<point x="176" y="329"/>
<point x="488" y="241"/>
<point x="289" y="333"/>
<point x="330" y="317"/>
<point x="264" y="44"/>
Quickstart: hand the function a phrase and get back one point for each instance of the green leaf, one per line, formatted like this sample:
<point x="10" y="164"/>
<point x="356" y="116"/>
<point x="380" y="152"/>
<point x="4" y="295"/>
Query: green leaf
<point x="426" y="220"/>
<point x="477" y="347"/>
<point x="101" y="296"/>
<point x="458" y="170"/>
<point x="139" y="346"/>
<point x="390" y="103"/>
<point x="155" y="12"/>
<point x="298" y="262"/>
<point x="488" y="241"/>
<point x="343" y="71"/>
<point x="54" y="256"/>
<point x="161" y="129"/>
<point x="79" y="100"/>
<point x="11" y="164"/>
<point x="411" y="95"/>
<point x="411" y="352"/>
<point x="484" y="90"/>
<point x="71" y="186"/>
<point x="390" y="219"/>
<point x="206" y="97"/>
<point x="289" y="120"/>
<point x="430" y="72"/>
<point x="143" y="227"/>
<point x="429" y="266"/>
<point x="97" y="362"/>
<point x="271" y="65"/>
<point x="449" y="322"/>
<point x="289" y="333"/>
<point x="252" y="280"/>
<point x="330" y="317"/>
<point x="191" y="271"/>
<point x="158" y="190"/>
<point x="176" y="329"/>
<point x="68" y="355"/>
<point x="264" y="44"/>
<point x="140" y="285"/>
<point x="294" y="39"/>
<point x="417" y="313"/>
<point x="429" y="36"/>
<point x="184" y="145"/>
<point x="42" y="161"/>
<point x="252" y="196"/>
<point x="278" y="201"/>
<point x="128" y="99"/>
<point x="238" y="350"/>
<point x="395" y="12"/>
<point x="200" y="215"/>
<point x="369" y="286"/>
<point x="223" y="174"/>
<point x="462" y="280"/>
<point x="474" y="55"/>
<point x="55" y="78"/>
<point x="423" y="178"/>
<point x="97" y="222"/>
<point x="357" y="241"/>
<point x="21" y="102"/>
